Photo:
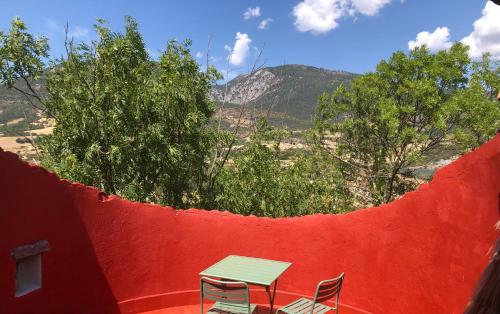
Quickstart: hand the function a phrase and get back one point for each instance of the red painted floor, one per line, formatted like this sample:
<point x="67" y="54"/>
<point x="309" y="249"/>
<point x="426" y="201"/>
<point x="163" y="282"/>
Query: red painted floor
<point x="190" y="309"/>
<point x="261" y="309"/>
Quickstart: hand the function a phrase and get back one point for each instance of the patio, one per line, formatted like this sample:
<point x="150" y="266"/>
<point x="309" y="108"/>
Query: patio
<point x="262" y="309"/>
<point x="108" y="255"/>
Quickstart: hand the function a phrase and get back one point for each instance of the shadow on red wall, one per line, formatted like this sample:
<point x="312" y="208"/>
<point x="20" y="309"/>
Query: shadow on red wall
<point x="421" y="254"/>
<point x="34" y="206"/>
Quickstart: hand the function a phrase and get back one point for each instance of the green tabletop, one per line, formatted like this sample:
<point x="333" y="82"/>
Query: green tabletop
<point x="257" y="271"/>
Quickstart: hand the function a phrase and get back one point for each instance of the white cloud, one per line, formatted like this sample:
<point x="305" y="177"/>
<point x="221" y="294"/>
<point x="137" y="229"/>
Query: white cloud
<point x="264" y="24"/>
<point x="73" y="32"/>
<point x="321" y="16"/>
<point x="78" y="32"/>
<point x="203" y="55"/>
<point x="369" y="7"/>
<point x="214" y="59"/>
<point x="486" y="34"/>
<point x="435" y="41"/>
<point x="251" y="12"/>
<point x="240" y="50"/>
<point x="317" y="16"/>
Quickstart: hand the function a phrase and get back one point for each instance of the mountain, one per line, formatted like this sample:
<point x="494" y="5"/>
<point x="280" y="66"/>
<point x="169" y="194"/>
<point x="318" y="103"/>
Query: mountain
<point x="289" y="93"/>
<point x="15" y="109"/>
<point x="289" y="89"/>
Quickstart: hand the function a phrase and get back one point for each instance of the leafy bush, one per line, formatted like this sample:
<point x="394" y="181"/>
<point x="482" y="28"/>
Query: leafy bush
<point x="411" y="104"/>
<point x="143" y="129"/>
<point x="126" y="124"/>
<point x="257" y="183"/>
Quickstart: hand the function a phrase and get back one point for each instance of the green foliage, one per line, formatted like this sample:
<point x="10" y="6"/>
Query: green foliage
<point x="477" y="111"/>
<point x="10" y="113"/>
<point x="143" y="129"/>
<point x="299" y="87"/>
<point x="21" y="54"/>
<point x="294" y="92"/>
<point x="410" y="104"/>
<point x="127" y="125"/>
<point x="257" y="183"/>
<point x="21" y="68"/>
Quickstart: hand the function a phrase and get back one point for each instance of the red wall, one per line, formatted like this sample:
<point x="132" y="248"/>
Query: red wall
<point x="421" y="254"/>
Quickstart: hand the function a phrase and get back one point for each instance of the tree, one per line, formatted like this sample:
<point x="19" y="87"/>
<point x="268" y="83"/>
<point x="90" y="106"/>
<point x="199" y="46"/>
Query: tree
<point x="143" y="129"/>
<point x="22" y="58"/>
<point x="258" y="183"/>
<point x="477" y="113"/>
<point x="411" y="104"/>
<point x="22" y="64"/>
<point x="128" y="125"/>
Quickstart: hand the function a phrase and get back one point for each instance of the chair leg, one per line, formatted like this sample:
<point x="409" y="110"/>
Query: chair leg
<point x="201" y="298"/>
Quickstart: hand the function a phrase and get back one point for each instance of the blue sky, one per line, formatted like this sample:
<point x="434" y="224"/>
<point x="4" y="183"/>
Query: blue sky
<point x="351" y="35"/>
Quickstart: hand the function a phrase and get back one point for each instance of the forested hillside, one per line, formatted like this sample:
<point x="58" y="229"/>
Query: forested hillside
<point x="283" y="141"/>
<point x="290" y="89"/>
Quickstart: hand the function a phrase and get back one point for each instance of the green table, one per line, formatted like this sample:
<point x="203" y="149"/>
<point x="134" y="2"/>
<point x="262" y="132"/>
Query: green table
<point x="255" y="271"/>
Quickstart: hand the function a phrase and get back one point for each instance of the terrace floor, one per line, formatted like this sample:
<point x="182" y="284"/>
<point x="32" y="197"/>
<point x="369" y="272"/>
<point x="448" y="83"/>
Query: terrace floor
<point x="261" y="309"/>
<point x="190" y="309"/>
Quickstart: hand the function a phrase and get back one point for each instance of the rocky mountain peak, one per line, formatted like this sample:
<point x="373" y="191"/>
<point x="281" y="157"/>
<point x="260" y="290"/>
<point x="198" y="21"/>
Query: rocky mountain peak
<point x="291" y="89"/>
<point x="245" y="88"/>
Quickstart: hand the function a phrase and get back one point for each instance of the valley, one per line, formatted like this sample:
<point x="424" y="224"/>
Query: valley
<point x="285" y="95"/>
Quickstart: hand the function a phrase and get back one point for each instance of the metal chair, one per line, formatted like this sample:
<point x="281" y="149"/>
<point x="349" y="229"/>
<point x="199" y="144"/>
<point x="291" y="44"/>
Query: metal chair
<point x="325" y="290"/>
<point x="229" y="296"/>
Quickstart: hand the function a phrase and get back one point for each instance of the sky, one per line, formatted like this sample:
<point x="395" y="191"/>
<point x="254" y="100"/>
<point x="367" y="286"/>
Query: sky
<point x="349" y="35"/>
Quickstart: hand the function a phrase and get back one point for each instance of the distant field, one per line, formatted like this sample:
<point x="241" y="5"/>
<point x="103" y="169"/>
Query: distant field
<point x="9" y="144"/>
<point x="25" y="150"/>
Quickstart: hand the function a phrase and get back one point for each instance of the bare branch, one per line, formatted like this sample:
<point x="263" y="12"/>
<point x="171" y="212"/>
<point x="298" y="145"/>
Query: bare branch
<point x="32" y="141"/>
<point x="208" y="50"/>
<point x="223" y="155"/>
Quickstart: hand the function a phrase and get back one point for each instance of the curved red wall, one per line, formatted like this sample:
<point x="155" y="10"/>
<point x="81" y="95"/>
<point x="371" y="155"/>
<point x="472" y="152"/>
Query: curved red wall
<point x="421" y="254"/>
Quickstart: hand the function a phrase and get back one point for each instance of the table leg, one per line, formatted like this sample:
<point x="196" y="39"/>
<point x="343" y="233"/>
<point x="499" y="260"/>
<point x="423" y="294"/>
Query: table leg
<point x="271" y="297"/>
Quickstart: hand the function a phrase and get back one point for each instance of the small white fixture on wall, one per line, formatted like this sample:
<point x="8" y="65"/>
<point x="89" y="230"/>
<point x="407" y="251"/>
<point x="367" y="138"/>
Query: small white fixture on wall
<point x="28" y="260"/>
